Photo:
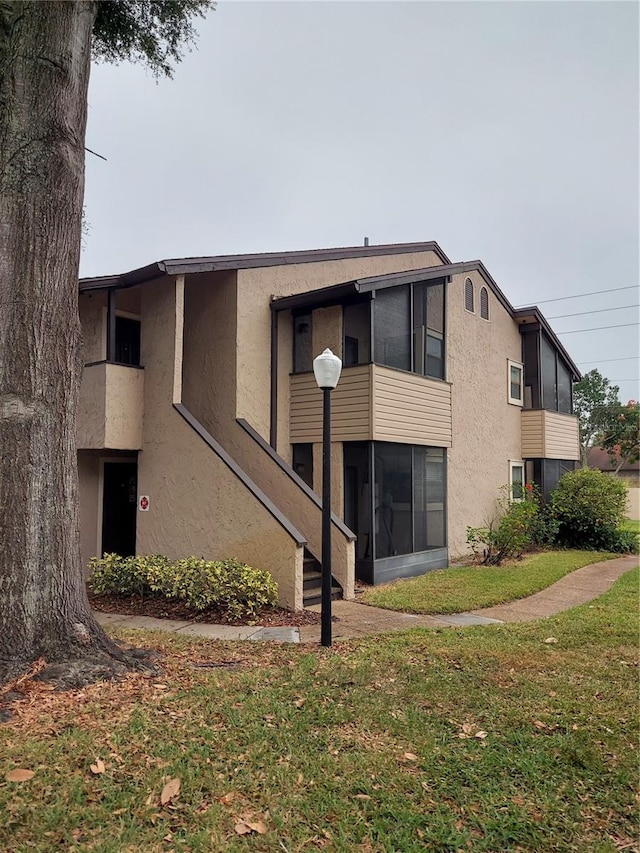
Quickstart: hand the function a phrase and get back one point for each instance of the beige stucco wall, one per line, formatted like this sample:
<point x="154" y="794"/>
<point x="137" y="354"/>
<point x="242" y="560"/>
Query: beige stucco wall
<point x="92" y="307"/>
<point x="486" y="428"/>
<point x="633" y="502"/>
<point x="326" y="330"/>
<point x="88" y="482"/>
<point x="197" y="505"/>
<point x="110" y="412"/>
<point x="256" y="287"/>
<point x="208" y="392"/>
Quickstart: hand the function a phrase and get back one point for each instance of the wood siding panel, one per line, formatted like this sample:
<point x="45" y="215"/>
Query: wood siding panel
<point x="532" y="428"/>
<point x="561" y="436"/>
<point x="350" y="407"/>
<point x="410" y="409"/>
<point x="549" y="435"/>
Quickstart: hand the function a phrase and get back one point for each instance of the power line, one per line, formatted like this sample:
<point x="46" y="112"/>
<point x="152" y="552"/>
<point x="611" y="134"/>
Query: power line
<point x="597" y="328"/>
<point x="604" y="360"/>
<point x="599" y="311"/>
<point x="580" y="295"/>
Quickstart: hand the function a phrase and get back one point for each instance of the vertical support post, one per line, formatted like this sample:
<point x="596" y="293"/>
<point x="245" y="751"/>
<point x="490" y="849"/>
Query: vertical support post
<point x="111" y="325"/>
<point x="325" y="627"/>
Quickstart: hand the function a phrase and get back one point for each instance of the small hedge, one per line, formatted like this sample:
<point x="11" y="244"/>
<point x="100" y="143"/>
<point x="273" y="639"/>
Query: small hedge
<point x="588" y="507"/>
<point x="225" y="584"/>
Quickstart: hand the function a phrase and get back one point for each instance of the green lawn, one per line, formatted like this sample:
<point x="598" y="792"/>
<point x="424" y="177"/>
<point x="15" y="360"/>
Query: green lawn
<point x="457" y="589"/>
<point x="631" y="524"/>
<point x="484" y="739"/>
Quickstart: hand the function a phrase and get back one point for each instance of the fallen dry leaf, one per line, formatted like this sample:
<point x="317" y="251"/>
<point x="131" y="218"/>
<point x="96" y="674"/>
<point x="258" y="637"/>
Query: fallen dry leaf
<point x="226" y="799"/>
<point x="550" y="640"/>
<point x="170" y="791"/>
<point x="411" y="756"/>
<point x="98" y="767"/>
<point x="19" y="775"/>
<point x="300" y="702"/>
<point x="481" y="735"/>
<point x="244" y="826"/>
<point x="363" y="797"/>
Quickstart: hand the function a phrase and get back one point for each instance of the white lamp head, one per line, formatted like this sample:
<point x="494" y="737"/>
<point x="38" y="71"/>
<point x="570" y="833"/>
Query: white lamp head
<point x="327" y="368"/>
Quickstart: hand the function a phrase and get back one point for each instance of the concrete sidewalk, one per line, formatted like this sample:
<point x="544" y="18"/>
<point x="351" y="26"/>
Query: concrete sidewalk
<point x="358" y="620"/>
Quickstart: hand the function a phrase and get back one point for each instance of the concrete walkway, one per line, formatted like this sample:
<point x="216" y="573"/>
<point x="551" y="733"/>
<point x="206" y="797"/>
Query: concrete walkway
<point x="352" y="619"/>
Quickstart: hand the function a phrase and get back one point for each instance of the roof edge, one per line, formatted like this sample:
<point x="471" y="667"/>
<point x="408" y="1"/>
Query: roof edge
<point x="184" y="266"/>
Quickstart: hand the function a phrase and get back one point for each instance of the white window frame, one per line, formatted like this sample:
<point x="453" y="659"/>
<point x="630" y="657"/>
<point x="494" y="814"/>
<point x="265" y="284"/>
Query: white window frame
<point x="514" y="400"/>
<point x="517" y="463"/>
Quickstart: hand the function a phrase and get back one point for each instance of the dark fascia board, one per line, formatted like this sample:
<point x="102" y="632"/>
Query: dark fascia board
<point x="325" y="295"/>
<point x="316" y="298"/>
<point x="534" y="315"/>
<point x="444" y="270"/>
<point x="187" y="266"/>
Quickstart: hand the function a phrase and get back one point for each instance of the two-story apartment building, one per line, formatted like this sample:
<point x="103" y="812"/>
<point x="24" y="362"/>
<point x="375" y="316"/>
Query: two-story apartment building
<point x="198" y="394"/>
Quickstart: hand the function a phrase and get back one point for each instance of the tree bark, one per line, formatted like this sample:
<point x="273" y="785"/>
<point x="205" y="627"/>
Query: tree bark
<point x="45" y="54"/>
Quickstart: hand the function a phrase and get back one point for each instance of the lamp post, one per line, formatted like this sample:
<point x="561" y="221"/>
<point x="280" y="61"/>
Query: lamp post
<point x="326" y="369"/>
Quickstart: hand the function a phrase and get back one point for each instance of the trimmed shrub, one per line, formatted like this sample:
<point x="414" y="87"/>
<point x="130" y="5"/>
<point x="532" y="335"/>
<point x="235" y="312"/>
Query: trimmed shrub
<point x="230" y="585"/>
<point x="518" y="527"/>
<point x="588" y="507"/>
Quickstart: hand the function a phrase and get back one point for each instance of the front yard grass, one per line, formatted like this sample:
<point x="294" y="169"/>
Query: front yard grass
<point x="484" y="739"/>
<point x="457" y="589"/>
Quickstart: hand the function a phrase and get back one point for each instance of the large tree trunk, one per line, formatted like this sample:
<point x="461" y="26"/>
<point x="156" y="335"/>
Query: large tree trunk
<point x="44" y="74"/>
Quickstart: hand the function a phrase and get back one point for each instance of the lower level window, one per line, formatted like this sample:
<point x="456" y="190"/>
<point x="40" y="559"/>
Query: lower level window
<point x="516" y="480"/>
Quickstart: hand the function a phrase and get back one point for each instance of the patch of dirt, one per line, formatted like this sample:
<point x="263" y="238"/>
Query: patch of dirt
<point x="160" y="608"/>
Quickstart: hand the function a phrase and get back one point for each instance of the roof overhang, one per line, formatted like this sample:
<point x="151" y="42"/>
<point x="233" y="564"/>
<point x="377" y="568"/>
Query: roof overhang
<point x="533" y="315"/>
<point x="189" y="266"/>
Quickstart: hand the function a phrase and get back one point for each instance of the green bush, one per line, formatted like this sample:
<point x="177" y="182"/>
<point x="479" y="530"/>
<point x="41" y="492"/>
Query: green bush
<point x="518" y="526"/>
<point x="226" y="584"/>
<point x="588" y="507"/>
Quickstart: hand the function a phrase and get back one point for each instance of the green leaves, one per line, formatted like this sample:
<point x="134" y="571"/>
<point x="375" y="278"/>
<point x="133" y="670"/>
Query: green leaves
<point x="152" y="32"/>
<point x="228" y="584"/>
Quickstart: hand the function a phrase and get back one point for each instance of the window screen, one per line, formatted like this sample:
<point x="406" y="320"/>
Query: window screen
<point x="484" y="303"/>
<point x="391" y="313"/>
<point x="468" y="295"/>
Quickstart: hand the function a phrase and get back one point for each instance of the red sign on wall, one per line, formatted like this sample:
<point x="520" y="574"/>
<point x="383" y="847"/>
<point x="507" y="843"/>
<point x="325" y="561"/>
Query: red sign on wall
<point x="143" y="503"/>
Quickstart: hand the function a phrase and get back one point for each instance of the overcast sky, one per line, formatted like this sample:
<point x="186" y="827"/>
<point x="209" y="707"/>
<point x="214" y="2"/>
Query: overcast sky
<point x="506" y="131"/>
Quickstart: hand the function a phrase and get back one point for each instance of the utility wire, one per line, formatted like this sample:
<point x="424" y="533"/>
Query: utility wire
<point x="597" y="328"/>
<point x="599" y="311"/>
<point x="603" y="360"/>
<point x="580" y="295"/>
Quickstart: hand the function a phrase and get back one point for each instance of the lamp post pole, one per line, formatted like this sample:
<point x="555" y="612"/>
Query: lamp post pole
<point x="325" y="608"/>
<point x="326" y="368"/>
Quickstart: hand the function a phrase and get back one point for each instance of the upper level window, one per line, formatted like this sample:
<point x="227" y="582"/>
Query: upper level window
<point x="515" y="388"/>
<point x="484" y="303"/>
<point x="302" y="356"/>
<point x="408" y="328"/>
<point x="127" y="341"/>
<point x="468" y="295"/>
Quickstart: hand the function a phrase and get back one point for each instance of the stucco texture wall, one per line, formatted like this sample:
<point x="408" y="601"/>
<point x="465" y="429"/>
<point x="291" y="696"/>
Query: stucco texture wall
<point x="88" y="483"/>
<point x="92" y="307"/>
<point x="197" y="505"/>
<point x="486" y="428"/>
<point x="256" y="287"/>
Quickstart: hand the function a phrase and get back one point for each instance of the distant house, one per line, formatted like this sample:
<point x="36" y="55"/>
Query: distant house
<point x="629" y="471"/>
<point x="200" y="422"/>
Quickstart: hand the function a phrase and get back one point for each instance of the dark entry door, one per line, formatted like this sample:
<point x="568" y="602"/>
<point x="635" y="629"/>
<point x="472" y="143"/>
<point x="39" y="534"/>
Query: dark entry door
<point x="119" y="507"/>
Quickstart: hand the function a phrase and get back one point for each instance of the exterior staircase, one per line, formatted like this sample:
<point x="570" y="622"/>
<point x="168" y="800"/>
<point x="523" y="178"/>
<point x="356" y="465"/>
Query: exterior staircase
<point x="312" y="582"/>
